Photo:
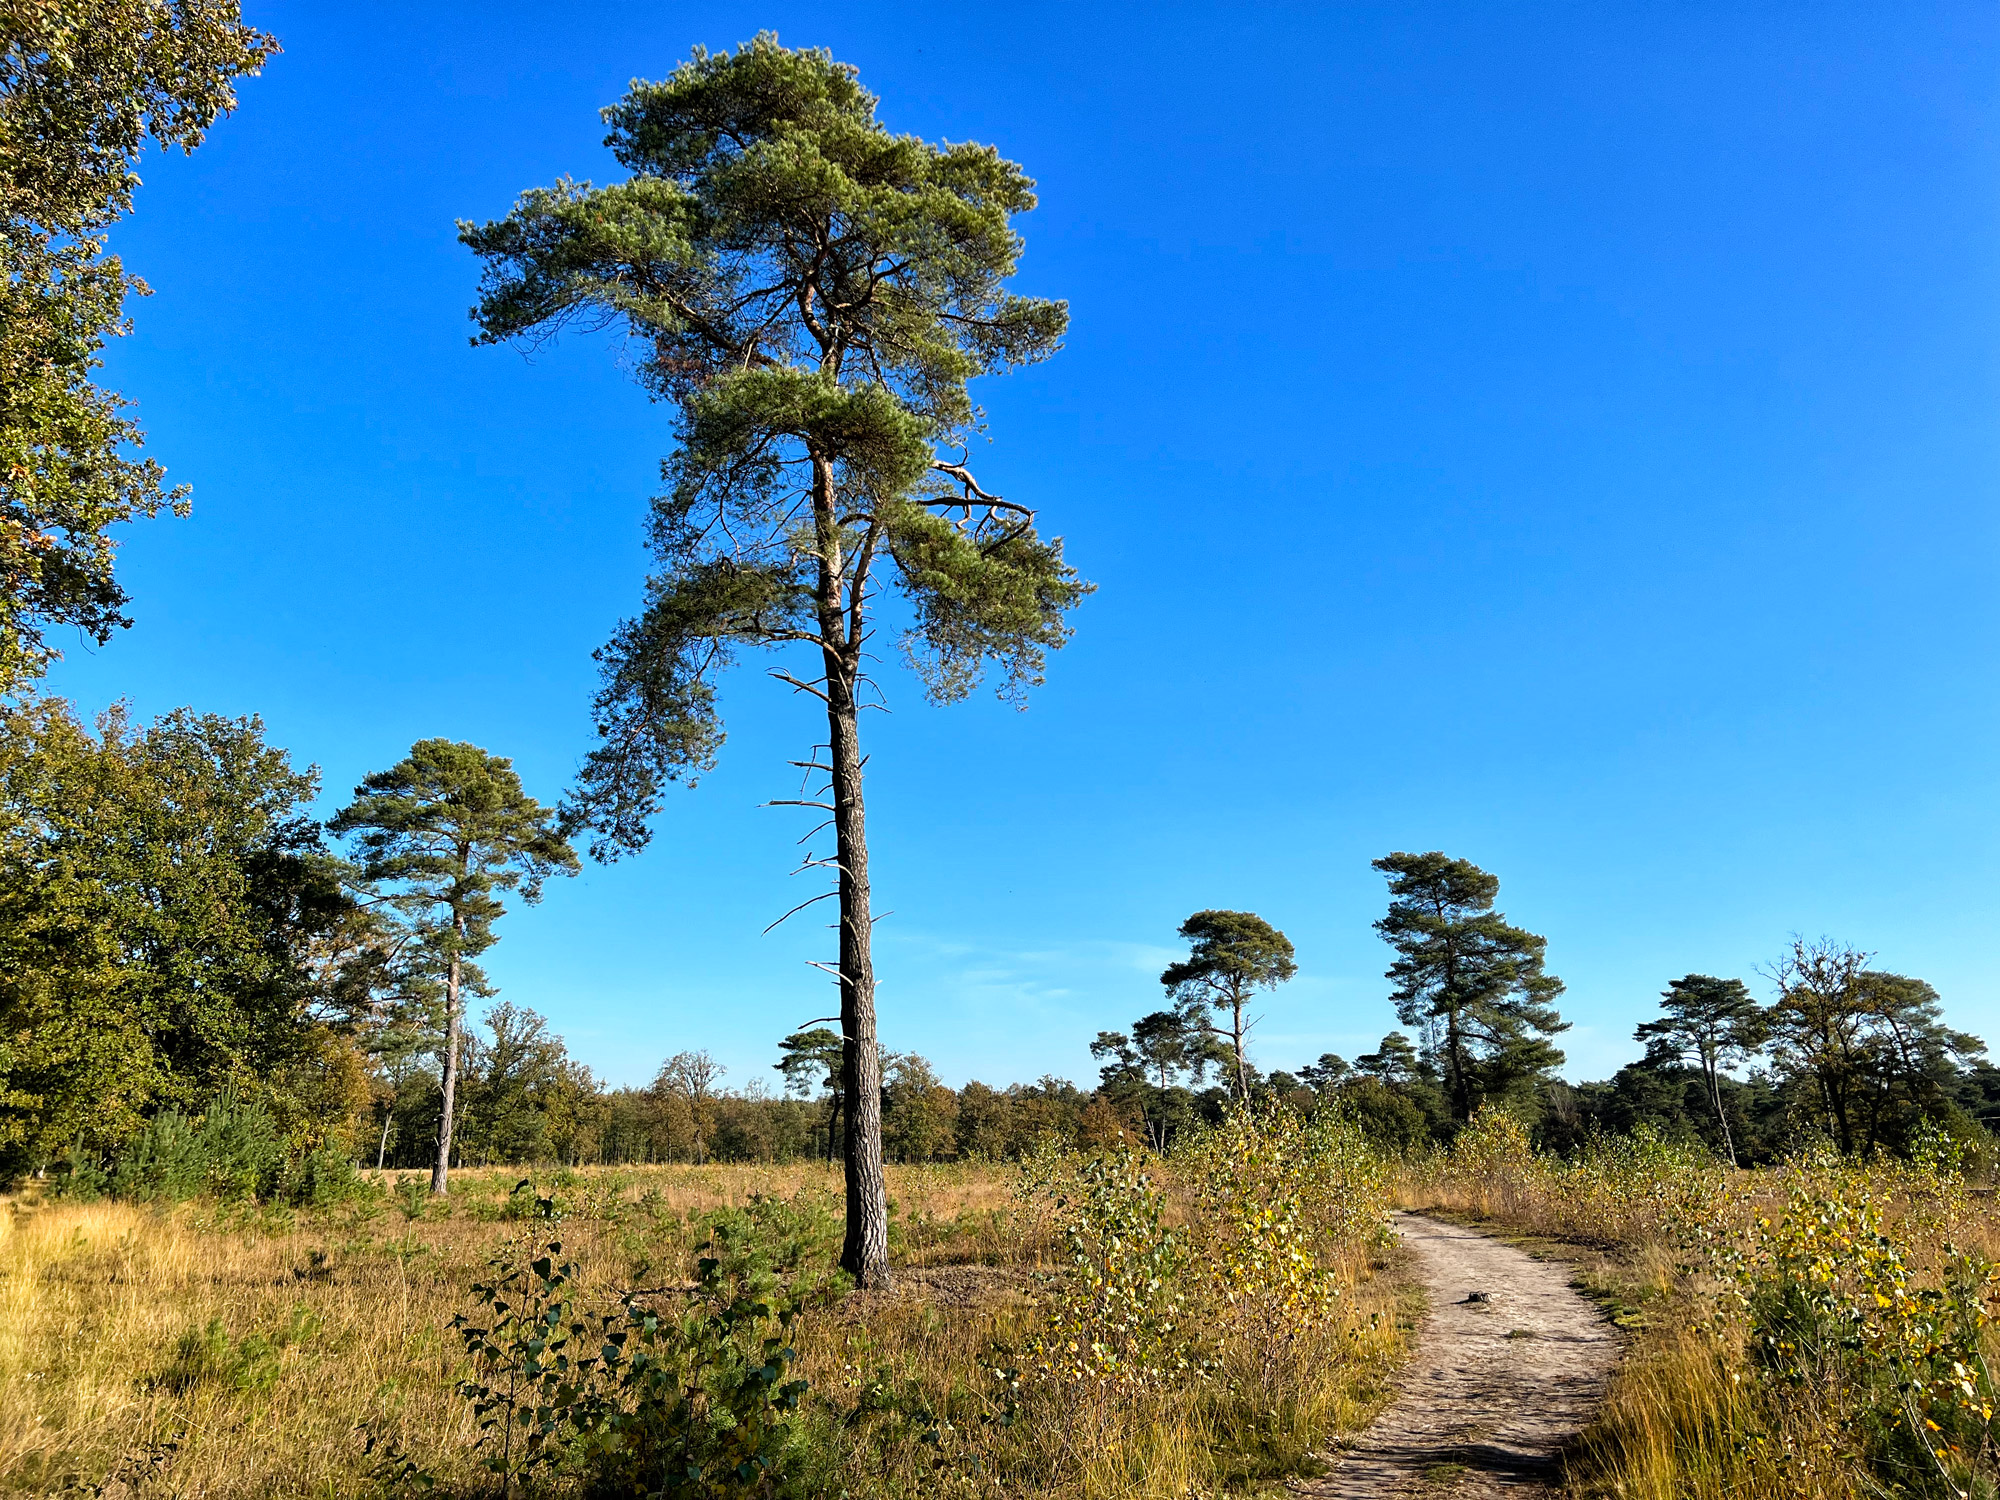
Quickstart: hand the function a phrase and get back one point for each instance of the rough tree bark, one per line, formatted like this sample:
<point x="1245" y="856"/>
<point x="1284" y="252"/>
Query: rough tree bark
<point x="842" y="584"/>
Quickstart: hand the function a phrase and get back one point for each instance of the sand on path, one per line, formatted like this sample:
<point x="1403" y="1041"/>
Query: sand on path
<point x="1495" y="1385"/>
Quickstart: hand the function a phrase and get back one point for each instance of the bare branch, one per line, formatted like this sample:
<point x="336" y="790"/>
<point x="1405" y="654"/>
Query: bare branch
<point x="819" y="864"/>
<point x="974" y="495"/>
<point x="802" y="906"/>
<point x="796" y="685"/>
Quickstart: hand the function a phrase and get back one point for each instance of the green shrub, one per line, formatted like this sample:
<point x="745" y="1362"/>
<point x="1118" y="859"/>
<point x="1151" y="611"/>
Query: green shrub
<point x="233" y="1151"/>
<point x="81" y="1178"/>
<point x="1842" y="1322"/>
<point x="413" y="1197"/>
<point x="1119" y="1319"/>
<point x="322" y="1178"/>
<point x="686" y="1400"/>
<point x="772" y="1240"/>
<point x="161" y="1162"/>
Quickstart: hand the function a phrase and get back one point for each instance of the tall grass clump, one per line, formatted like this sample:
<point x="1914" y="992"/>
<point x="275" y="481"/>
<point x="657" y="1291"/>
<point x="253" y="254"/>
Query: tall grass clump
<point x="1616" y="1190"/>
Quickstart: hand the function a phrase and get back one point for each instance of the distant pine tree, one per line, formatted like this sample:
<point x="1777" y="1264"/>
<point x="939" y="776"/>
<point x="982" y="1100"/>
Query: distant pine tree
<point x="1472" y="982"/>
<point x="440" y="834"/>
<point x="1232" y="955"/>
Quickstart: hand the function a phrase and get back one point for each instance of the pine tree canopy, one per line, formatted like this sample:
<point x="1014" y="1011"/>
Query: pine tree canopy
<point x="444" y="831"/>
<point x="1230" y="953"/>
<point x="813" y="293"/>
<point x="1704" y="1022"/>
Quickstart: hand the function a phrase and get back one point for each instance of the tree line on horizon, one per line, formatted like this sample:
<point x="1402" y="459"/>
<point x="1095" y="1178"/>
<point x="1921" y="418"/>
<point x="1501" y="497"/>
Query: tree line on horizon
<point x="176" y="928"/>
<point x="1844" y="1052"/>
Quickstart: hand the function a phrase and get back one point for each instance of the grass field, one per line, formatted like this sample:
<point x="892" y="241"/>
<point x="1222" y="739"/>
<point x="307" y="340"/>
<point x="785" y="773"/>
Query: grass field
<point x="1070" y="1326"/>
<point x="239" y="1351"/>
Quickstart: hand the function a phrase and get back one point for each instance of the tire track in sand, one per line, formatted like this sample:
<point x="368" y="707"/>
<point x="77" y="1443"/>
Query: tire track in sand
<point x="1494" y="1388"/>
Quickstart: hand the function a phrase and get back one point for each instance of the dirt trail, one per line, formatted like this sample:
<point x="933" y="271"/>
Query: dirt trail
<point x="1494" y="1387"/>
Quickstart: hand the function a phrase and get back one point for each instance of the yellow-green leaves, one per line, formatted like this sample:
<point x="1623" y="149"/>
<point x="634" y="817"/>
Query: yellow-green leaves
<point x="1121" y="1316"/>
<point x="1246" y="1236"/>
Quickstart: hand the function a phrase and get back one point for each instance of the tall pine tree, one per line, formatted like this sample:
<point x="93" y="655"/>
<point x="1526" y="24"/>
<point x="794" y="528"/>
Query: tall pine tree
<point x="1472" y="982"/>
<point x="812" y="293"/>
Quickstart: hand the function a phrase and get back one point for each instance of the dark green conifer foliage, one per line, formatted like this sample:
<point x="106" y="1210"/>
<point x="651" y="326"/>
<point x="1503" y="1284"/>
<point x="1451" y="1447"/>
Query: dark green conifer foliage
<point x="1395" y="1061"/>
<point x="1474" y="983"/>
<point x="812" y="293"/>
<point x="440" y="834"/>
<point x="1708" y="1023"/>
<point x="1232" y="955"/>
<point x="1167" y="1047"/>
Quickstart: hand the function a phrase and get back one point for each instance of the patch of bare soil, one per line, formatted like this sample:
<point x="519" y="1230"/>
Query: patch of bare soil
<point x="1509" y="1366"/>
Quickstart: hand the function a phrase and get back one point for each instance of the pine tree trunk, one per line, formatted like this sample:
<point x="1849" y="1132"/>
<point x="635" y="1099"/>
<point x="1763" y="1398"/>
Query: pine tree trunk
<point x="1461" y="1089"/>
<point x="1721" y="1115"/>
<point x="1236" y="1041"/>
<point x="382" y="1149"/>
<point x="441" y="1173"/>
<point x="865" y="1253"/>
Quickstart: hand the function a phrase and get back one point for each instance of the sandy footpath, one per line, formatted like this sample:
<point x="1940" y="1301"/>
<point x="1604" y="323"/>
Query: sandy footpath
<point x="1495" y="1384"/>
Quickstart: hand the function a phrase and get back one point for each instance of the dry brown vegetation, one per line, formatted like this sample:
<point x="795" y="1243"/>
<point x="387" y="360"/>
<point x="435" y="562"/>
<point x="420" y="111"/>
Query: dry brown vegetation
<point x="239" y="1351"/>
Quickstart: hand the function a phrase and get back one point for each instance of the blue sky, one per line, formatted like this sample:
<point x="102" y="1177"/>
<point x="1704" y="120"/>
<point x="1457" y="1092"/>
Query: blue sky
<point x="1562" y="435"/>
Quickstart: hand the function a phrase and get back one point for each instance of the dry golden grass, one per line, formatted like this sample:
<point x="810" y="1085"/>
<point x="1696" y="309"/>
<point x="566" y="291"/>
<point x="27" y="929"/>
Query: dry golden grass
<point x="207" y="1351"/>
